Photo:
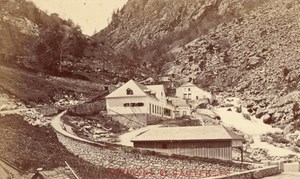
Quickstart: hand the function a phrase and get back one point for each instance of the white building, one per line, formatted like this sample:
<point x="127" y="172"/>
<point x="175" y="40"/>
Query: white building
<point x="182" y="108"/>
<point x="134" y="99"/>
<point x="190" y="91"/>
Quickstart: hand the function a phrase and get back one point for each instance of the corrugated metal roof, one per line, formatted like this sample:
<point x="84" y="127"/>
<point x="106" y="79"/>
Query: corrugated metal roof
<point x="187" y="134"/>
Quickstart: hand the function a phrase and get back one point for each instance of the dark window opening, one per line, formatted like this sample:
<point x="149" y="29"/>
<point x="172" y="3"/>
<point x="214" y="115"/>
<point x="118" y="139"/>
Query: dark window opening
<point x="133" y="104"/>
<point x="167" y="112"/>
<point x="139" y="104"/>
<point x="129" y="91"/>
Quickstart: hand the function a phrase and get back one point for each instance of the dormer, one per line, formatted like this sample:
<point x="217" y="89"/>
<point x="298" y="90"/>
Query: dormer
<point x="153" y="93"/>
<point x="129" y="91"/>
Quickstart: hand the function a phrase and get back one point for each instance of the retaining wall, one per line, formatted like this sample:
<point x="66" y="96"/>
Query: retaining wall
<point x="136" y="120"/>
<point x="253" y="174"/>
<point x="142" y="165"/>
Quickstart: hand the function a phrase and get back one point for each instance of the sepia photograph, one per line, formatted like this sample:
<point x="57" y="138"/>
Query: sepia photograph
<point x="149" y="89"/>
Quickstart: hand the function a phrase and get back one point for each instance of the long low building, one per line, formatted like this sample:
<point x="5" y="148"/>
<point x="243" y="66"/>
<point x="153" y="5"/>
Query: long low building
<point x="202" y="141"/>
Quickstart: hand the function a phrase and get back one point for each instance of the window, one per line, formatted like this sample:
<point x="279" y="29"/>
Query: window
<point x="139" y="104"/>
<point x="189" y="96"/>
<point x="133" y="104"/>
<point x="129" y="91"/>
<point x="184" y="96"/>
<point x="197" y="97"/>
<point x="189" y="89"/>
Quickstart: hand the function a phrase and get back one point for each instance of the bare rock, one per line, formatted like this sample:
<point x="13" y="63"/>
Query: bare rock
<point x="266" y="118"/>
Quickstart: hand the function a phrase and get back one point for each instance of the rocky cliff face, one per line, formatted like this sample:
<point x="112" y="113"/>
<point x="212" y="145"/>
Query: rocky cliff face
<point x="141" y="22"/>
<point x="14" y="29"/>
<point x="147" y="29"/>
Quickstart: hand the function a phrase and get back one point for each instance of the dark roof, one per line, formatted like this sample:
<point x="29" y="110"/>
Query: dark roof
<point x="195" y="133"/>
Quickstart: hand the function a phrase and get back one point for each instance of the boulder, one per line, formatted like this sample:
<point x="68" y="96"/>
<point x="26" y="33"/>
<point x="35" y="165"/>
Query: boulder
<point x="271" y="111"/>
<point x="277" y="116"/>
<point x="248" y="139"/>
<point x="253" y="62"/>
<point x="288" y="129"/>
<point x="260" y="113"/>
<point x="297" y="142"/>
<point x="266" y="118"/>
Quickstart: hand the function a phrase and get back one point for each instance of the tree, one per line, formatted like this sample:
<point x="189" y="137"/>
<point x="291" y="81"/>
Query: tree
<point x="48" y="47"/>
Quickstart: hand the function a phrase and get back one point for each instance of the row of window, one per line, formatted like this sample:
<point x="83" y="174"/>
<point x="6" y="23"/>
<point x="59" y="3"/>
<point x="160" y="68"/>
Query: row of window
<point x="188" y="96"/>
<point x="154" y="109"/>
<point x="133" y="104"/>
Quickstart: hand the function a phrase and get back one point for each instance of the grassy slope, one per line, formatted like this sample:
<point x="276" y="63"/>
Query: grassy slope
<point x="30" y="147"/>
<point x="28" y="86"/>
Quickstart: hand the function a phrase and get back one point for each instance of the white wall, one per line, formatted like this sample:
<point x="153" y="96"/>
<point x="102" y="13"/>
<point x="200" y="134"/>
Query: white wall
<point x="116" y="105"/>
<point x="182" y="109"/>
<point x="192" y="92"/>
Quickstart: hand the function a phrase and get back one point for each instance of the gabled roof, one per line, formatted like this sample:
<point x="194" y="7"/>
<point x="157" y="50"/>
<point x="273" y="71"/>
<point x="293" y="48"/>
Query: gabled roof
<point x="138" y="90"/>
<point x="141" y="86"/>
<point x="179" y="102"/>
<point x="188" y="85"/>
<point x="153" y="87"/>
<point x="192" y="133"/>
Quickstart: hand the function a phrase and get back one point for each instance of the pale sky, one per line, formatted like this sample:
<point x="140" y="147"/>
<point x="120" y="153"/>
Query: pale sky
<point x="90" y="15"/>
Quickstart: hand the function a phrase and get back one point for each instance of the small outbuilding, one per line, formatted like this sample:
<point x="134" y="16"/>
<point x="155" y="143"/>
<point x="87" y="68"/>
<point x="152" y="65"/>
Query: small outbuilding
<point x="202" y="141"/>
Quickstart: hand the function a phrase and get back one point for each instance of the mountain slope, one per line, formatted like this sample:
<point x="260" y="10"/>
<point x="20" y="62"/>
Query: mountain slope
<point x="146" y="29"/>
<point x="256" y="53"/>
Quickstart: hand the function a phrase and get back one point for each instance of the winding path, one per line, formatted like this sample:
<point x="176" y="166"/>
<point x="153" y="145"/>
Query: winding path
<point x="57" y="125"/>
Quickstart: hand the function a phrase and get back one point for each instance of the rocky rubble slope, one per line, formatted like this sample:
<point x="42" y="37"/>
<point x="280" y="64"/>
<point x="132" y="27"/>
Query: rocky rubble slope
<point x="254" y="54"/>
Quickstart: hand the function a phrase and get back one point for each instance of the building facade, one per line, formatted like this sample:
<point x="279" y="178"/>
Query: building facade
<point x="182" y="108"/>
<point x="190" y="91"/>
<point x="134" y="99"/>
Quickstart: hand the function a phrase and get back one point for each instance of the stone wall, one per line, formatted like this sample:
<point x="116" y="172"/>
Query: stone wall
<point x="253" y="174"/>
<point x="145" y="164"/>
<point x="136" y="120"/>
